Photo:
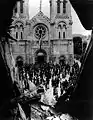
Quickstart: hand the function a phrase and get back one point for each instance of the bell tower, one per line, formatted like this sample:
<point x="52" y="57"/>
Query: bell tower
<point x="59" y="7"/>
<point x="61" y="19"/>
<point x="61" y="27"/>
<point x="21" y="9"/>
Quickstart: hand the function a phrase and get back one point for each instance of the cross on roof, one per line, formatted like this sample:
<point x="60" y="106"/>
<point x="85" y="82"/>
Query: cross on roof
<point x="40" y="5"/>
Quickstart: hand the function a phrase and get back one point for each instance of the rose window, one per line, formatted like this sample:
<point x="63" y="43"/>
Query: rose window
<point x="40" y="31"/>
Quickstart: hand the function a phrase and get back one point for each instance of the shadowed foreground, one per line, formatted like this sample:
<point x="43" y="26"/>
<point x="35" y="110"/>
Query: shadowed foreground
<point x="81" y="101"/>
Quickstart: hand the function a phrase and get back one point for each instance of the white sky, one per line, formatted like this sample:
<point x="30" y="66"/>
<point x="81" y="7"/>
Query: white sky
<point x="77" y="27"/>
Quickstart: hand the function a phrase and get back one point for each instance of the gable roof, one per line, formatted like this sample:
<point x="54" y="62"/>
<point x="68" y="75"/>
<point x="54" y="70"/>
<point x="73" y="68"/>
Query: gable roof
<point x="40" y="18"/>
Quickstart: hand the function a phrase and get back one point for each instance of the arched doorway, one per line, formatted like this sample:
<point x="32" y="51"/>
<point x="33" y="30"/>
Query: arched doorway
<point x="19" y="61"/>
<point x="41" y="56"/>
<point x="62" y="60"/>
<point x="78" y="46"/>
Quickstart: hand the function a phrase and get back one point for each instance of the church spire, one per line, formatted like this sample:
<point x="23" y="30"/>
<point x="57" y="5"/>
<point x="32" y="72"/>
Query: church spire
<point x="40" y="5"/>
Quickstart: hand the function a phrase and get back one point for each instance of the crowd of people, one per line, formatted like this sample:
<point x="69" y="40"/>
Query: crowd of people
<point x="55" y="79"/>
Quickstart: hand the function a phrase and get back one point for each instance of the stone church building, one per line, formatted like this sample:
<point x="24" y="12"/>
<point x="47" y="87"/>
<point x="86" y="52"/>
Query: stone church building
<point x="41" y="39"/>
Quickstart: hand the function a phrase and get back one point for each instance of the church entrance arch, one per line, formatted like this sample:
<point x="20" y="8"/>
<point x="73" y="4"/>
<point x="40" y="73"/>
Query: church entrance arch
<point x="62" y="60"/>
<point x="19" y="61"/>
<point x="40" y="56"/>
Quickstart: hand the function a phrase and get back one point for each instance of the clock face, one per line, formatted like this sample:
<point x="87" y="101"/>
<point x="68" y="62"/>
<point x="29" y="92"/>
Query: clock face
<point x="40" y="31"/>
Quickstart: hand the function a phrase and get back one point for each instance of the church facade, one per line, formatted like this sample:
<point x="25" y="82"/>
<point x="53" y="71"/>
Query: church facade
<point x="41" y="38"/>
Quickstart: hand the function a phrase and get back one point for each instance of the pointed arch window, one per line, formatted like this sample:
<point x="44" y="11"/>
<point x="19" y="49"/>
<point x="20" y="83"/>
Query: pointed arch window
<point x="64" y="35"/>
<point x="21" y="27"/>
<point x="64" y="6"/>
<point x="21" y="6"/>
<point x="64" y="10"/>
<point x="16" y="35"/>
<point x="21" y="35"/>
<point x="19" y="30"/>
<point x="59" y="26"/>
<point x="64" y="26"/>
<point x="59" y="35"/>
<point x="58" y="6"/>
